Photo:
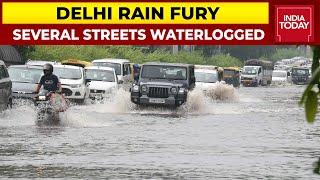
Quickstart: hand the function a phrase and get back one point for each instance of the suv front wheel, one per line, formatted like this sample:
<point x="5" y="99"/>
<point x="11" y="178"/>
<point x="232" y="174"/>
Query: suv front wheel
<point x="9" y="105"/>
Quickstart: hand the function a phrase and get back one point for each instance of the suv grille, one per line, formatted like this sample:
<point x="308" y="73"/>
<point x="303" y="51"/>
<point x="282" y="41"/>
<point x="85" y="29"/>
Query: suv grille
<point x="67" y="92"/>
<point x="246" y="78"/>
<point x="96" y="91"/>
<point x="158" y="92"/>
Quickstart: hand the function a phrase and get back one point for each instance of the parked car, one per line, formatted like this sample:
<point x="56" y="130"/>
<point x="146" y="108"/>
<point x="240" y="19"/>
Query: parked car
<point x="122" y="68"/>
<point x="280" y="77"/>
<point x="24" y="79"/>
<point x="73" y="82"/>
<point x="164" y="84"/>
<point x="5" y="87"/>
<point x="102" y="81"/>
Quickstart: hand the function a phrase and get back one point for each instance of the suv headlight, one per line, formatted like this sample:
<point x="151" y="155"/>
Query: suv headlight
<point x="182" y="90"/>
<point x="42" y="98"/>
<point x="144" y="88"/>
<point x="75" y="85"/>
<point x="174" y="90"/>
<point x="135" y="88"/>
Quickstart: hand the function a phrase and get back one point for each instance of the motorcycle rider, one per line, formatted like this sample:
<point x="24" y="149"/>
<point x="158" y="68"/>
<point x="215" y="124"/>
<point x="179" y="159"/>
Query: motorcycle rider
<point x="49" y="81"/>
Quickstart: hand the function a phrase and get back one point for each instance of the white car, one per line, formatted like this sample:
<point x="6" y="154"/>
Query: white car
<point x="279" y="77"/>
<point x="73" y="82"/>
<point x="121" y="66"/>
<point x="102" y="81"/>
<point x="205" y="77"/>
<point x="41" y="63"/>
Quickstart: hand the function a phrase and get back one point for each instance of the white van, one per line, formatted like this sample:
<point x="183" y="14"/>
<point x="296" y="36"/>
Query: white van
<point x="102" y="81"/>
<point x="121" y="66"/>
<point x="205" y="78"/>
<point x="279" y="77"/>
<point x="73" y="82"/>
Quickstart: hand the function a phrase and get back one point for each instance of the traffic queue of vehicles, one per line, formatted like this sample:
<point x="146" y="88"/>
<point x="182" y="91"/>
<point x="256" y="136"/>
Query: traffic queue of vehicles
<point x="152" y="83"/>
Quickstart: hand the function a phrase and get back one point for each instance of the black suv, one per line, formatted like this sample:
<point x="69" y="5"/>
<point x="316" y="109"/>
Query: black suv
<point x="163" y="84"/>
<point x="300" y="75"/>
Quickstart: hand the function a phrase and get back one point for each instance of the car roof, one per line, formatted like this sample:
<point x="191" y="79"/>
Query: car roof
<point x="41" y="63"/>
<point x="2" y="62"/>
<point x="26" y="66"/>
<point x="206" y="70"/>
<point x="76" y="62"/>
<point x="279" y="70"/>
<point x="232" y="68"/>
<point x="167" y="64"/>
<point x="100" y="67"/>
<point x="205" y="67"/>
<point x="300" y="67"/>
<point x="67" y="66"/>
<point x="112" y="60"/>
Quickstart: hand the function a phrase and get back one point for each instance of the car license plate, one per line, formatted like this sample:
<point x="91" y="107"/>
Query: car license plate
<point x="157" y="101"/>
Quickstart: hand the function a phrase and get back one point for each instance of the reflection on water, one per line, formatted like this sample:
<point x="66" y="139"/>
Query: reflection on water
<point x="260" y="134"/>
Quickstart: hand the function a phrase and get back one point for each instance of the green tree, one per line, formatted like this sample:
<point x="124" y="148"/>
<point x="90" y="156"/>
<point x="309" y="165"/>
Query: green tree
<point x="310" y="96"/>
<point x="25" y="51"/>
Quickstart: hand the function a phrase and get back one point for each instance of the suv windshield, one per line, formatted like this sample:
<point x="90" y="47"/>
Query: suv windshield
<point x="164" y="72"/>
<point x="250" y="70"/>
<point x="67" y="73"/>
<point x="206" y="77"/>
<point x="100" y="75"/>
<point x="300" y="71"/>
<point x="25" y="75"/>
<point x="115" y="66"/>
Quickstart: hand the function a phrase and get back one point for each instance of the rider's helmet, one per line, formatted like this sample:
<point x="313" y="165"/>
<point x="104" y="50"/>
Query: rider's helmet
<point x="47" y="69"/>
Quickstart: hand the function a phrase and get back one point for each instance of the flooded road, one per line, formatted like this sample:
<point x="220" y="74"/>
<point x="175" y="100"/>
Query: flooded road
<point x="261" y="134"/>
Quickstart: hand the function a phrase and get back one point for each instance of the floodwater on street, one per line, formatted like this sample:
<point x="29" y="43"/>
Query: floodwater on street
<point x="259" y="133"/>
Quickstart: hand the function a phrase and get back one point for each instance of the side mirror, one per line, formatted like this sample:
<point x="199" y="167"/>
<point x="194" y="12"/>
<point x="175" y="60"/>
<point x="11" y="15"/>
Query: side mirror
<point x="120" y="82"/>
<point x="87" y="81"/>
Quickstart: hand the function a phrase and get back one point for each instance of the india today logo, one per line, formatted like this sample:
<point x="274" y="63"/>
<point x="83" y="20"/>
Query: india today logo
<point x="294" y="24"/>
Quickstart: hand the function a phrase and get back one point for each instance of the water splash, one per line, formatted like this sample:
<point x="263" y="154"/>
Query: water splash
<point x="21" y="115"/>
<point x="221" y="91"/>
<point x="199" y="102"/>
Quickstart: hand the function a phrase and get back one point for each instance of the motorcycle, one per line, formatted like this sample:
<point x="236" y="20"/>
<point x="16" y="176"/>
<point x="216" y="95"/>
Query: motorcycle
<point x="48" y="107"/>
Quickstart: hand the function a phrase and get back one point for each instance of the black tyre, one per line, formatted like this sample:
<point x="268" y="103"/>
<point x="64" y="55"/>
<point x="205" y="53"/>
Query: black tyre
<point x="9" y="105"/>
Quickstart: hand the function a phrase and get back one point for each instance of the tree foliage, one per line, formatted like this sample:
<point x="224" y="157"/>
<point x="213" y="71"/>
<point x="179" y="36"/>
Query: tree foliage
<point x="285" y="53"/>
<point x="25" y="51"/>
<point x="310" y="96"/>
<point x="135" y="54"/>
